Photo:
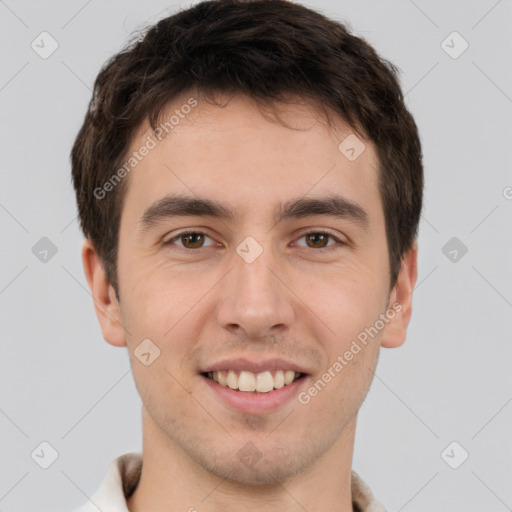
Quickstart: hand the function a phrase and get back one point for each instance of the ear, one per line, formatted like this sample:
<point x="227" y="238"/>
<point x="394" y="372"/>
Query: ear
<point x="105" y="301"/>
<point x="400" y="301"/>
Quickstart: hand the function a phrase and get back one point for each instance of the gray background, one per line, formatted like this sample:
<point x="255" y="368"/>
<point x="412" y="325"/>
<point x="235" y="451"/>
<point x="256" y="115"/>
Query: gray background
<point x="61" y="383"/>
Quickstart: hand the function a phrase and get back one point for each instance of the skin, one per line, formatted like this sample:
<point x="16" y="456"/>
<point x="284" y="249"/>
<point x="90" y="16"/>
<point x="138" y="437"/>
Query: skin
<point x="298" y="300"/>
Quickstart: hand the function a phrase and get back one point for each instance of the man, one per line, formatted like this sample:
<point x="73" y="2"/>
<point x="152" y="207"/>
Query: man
<point x="249" y="183"/>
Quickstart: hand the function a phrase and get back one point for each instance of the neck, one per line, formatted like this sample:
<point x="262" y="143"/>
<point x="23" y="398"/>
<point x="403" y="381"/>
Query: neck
<point x="170" y="476"/>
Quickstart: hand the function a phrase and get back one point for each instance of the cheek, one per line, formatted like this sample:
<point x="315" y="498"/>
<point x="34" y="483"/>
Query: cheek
<point x="347" y="307"/>
<point x="160" y="297"/>
<point x="346" y="299"/>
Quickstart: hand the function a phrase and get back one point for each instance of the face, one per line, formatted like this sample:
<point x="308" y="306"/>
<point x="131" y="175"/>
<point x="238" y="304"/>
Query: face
<point x="270" y="268"/>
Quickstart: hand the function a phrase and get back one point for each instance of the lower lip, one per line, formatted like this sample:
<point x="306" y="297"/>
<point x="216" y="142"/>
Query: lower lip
<point x="256" y="403"/>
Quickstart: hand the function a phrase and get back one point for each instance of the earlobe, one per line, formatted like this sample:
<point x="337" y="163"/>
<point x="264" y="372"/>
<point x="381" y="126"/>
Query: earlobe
<point x="395" y="331"/>
<point x="106" y="304"/>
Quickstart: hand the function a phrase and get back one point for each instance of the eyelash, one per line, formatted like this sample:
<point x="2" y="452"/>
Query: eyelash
<point x="171" y="241"/>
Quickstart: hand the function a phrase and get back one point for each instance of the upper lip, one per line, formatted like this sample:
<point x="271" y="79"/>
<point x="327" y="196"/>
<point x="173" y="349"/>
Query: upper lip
<point x="241" y="364"/>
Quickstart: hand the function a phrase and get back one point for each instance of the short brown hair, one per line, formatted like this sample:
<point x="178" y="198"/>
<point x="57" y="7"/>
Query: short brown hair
<point x="268" y="50"/>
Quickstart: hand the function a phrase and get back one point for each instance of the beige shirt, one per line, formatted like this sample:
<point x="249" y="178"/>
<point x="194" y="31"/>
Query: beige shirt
<point x="123" y="475"/>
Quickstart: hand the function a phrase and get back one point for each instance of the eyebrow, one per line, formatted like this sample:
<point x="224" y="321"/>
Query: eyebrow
<point x="172" y="206"/>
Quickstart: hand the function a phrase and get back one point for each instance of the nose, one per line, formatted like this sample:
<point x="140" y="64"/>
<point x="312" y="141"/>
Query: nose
<point x="255" y="299"/>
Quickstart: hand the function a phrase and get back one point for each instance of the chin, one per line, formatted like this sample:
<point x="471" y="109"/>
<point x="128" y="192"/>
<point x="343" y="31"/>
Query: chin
<point x="262" y="473"/>
<point x="248" y="466"/>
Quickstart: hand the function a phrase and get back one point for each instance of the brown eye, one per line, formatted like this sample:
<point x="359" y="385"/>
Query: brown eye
<point x="189" y="240"/>
<point x="192" y="240"/>
<point x="318" y="240"/>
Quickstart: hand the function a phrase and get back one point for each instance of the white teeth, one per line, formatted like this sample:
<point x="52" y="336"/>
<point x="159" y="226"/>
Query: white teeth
<point x="289" y="375"/>
<point x="246" y="381"/>
<point x="279" y="379"/>
<point x="222" y="378"/>
<point x="232" y="380"/>
<point x="262" y="382"/>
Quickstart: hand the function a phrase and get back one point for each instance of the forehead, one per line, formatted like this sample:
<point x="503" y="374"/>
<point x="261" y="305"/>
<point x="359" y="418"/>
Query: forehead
<point x="237" y="154"/>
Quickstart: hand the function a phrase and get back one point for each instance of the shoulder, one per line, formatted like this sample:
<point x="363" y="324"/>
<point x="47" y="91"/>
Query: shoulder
<point x="362" y="496"/>
<point x="119" y="481"/>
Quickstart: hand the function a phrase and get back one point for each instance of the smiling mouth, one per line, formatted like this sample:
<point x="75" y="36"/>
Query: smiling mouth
<point x="249" y="382"/>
